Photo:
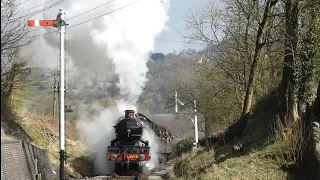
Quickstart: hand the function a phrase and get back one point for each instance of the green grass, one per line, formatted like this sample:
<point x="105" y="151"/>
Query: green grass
<point x="44" y="132"/>
<point x="256" y="161"/>
<point x="201" y="165"/>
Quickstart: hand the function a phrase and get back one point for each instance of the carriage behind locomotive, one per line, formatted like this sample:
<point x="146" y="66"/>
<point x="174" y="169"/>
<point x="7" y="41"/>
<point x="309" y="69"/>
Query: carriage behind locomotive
<point x="129" y="150"/>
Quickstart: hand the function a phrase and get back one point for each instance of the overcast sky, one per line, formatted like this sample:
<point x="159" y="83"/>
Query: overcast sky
<point x="177" y="12"/>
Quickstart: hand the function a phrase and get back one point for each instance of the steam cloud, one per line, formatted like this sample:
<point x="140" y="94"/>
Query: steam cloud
<point x="116" y="44"/>
<point x="154" y="147"/>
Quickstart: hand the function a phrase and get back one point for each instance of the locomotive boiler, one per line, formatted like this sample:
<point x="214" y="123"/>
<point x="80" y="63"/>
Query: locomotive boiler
<point x="129" y="150"/>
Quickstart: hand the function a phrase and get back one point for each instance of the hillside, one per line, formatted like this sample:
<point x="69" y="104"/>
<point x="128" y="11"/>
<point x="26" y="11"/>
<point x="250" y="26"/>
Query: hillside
<point x="37" y="94"/>
<point x="250" y="167"/>
<point x="43" y="131"/>
<point x="258" y="153"/>
<point x="250" y="156"/>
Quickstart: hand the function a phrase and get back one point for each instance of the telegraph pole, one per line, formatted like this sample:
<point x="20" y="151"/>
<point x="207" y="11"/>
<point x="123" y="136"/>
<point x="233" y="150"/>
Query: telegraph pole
<point x="194" y="121"/>
<point x="195" y="124"/>
<point x="176" y="99"/>
<point x="55" y="90"/>
<point x="59" y="22"/>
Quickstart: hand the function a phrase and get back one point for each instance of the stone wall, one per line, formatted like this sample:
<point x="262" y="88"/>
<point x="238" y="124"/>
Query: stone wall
<point x="316" y="145"/>
<point x="22" y="160"/>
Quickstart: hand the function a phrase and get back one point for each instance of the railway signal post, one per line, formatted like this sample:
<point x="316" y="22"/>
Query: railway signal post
<point x="59" y="22"/>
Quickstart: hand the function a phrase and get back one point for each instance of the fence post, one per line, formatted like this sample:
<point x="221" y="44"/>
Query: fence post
<point x="36" y="167"/>
<point x="28" y="157"/>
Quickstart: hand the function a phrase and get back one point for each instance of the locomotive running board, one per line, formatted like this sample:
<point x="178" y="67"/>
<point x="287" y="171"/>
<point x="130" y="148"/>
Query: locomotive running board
<point x="115" y="149"/>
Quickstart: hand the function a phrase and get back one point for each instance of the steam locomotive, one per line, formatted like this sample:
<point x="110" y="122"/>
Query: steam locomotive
<point x="129" y="150"/>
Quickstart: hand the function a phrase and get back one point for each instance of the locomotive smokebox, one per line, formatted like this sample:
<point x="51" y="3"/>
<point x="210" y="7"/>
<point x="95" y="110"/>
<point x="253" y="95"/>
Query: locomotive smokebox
<point x="129" y="129"/>
<point x="129" y="113"/>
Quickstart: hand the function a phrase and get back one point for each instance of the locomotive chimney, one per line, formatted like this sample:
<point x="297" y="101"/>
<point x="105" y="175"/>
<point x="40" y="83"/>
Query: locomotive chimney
<point x="129" y="113"/>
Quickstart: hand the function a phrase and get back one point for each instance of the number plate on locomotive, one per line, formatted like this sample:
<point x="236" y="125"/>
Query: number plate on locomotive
<point x="132" y="156"/>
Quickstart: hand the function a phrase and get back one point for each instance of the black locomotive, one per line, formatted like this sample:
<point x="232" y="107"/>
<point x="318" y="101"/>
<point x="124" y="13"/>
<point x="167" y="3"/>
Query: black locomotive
<point x="129" y="150"/>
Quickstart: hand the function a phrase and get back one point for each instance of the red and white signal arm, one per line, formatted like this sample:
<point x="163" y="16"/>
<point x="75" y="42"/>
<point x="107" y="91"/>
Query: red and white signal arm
<point x="53" y="23"/>
<point x="40" y="22"/>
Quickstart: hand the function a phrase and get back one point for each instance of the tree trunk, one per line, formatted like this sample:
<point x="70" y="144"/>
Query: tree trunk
<point x="208" y="130"/>
<point x="308" y="52"/>
<point x="288" y="110"/>
<point x="317" y="104"/>
<point x="260" y="42"/>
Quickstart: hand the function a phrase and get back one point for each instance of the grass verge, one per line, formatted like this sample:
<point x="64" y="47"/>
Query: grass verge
<point x="200" y="164"/>
<point x="44" y="131"/>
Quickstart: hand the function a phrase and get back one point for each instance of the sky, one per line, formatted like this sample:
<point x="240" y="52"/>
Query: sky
<point x="177" y="12"/>
<point x="168" y="40"/>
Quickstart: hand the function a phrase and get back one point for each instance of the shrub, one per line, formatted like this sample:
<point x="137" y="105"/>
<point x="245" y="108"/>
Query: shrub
<point x="184" y="146"/>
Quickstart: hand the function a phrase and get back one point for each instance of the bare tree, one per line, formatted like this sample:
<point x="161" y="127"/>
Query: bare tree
<point x="13" y="37"/>
<point x="13" y="67"/>
<point x="235" y="36"/>
<point x="261" y="41"/>
<point x="228" y="43"/>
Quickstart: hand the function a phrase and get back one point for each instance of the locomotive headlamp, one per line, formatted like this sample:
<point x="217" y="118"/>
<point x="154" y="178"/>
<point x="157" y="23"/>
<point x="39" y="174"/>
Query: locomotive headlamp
<point x="141" y="157"/>
<point x="113" y="157"/>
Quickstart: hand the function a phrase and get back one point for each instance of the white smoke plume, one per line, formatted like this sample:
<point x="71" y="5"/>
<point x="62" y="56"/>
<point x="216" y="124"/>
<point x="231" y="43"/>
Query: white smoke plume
<point x="115" y="44"/>
<point x="98" y="133"/>
<point x="149" y="135"/>
<point x="129" y="36"/>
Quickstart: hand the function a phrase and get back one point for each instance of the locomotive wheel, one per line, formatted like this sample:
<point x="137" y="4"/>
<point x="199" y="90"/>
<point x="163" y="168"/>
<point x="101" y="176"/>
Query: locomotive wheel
<point x="140" y="168"/>
<point x="134" y="169"/>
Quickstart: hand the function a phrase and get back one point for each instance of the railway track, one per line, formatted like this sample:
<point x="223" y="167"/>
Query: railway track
<point x="115" y="177"/>
<point x="157" y="175"/>
<point x="130" y="146"/>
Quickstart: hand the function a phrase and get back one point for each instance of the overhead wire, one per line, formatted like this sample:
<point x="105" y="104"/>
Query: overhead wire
<point x="35" y="6"/>
<point x="177" y="43"/>
<point x="89" y="19"/>
<point x="90" y="10"/>
<point x="80" y="14"/>
<point x="44" y="9"/>
<point x="23" y="17"/>
<point x="158" y="40"/>
<point x="22" y="2"/>
<point x="104" y="14"/>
